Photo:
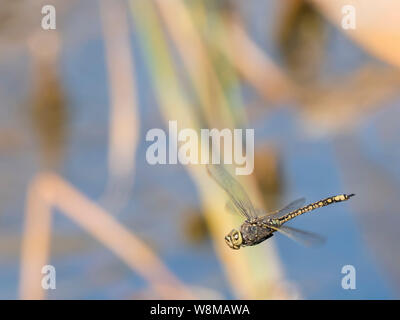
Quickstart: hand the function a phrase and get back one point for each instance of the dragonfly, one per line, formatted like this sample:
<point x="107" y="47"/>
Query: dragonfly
<point x="260" y="225"/>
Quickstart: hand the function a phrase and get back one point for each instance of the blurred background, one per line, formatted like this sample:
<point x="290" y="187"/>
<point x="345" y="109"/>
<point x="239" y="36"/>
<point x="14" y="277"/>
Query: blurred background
<point x="76" y="191"/>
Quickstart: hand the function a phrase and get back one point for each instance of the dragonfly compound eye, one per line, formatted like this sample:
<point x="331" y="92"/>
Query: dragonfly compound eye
<point x="228" y="241"/>
<point x="234" y="239"/>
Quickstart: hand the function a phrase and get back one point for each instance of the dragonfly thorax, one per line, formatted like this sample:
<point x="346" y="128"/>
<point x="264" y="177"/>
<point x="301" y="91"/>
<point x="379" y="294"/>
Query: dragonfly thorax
<point x="254" y="232"/>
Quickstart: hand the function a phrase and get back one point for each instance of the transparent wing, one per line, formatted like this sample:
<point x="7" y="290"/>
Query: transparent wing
<point x="293" y="206"/>
<point x="234" y="190"/>
<point x="231" y="208"/>
<point x="304" y="237"/>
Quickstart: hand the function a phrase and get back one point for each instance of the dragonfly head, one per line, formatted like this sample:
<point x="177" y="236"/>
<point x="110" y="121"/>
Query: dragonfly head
<point x="234" y="239"/>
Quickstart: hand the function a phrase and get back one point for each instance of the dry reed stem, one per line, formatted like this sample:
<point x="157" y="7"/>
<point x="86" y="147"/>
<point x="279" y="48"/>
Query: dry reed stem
<point x="49" y="190"/>
<point x="193" y="52"/>
<point x="256" y="67"/>
<point x="124" y="121"/>
<point x="35" y="243"/>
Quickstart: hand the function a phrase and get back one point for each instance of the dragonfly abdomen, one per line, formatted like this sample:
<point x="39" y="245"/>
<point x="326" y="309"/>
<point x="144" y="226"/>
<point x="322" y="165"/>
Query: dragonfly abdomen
<point x="315" y="205"/>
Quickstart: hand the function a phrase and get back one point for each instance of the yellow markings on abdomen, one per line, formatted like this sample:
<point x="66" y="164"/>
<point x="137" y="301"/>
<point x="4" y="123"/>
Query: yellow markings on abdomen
<point x="315" y="205"/>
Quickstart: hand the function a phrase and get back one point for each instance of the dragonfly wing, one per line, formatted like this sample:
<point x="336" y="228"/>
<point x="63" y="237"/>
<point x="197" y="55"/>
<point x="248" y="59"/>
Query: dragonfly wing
<point x="304" y="237"/>
<point x="231" y="208"/>
<point x="293" y="206"/>
<point x="261" y="212"/>
<point x="235" y="191"/>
